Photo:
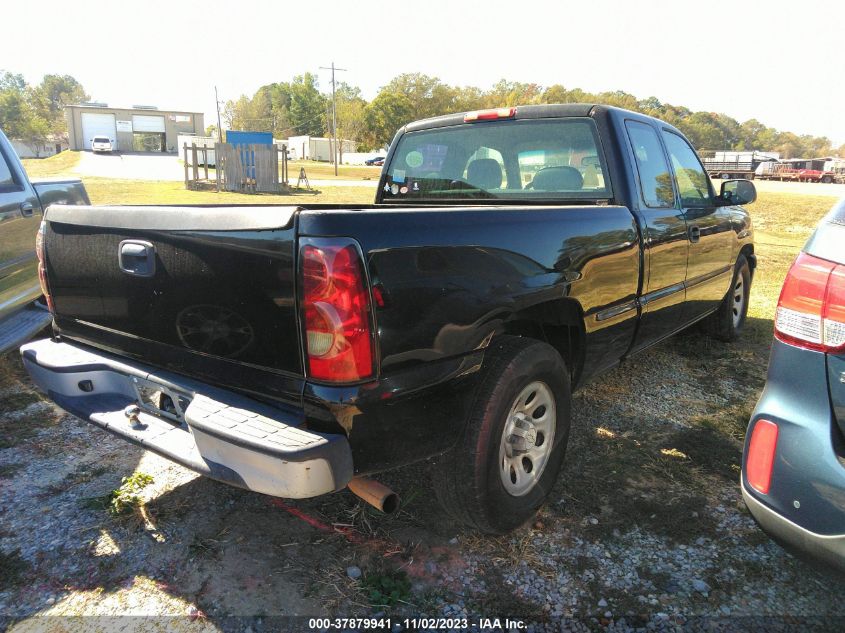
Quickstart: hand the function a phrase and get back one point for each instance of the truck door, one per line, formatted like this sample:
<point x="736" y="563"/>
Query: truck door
<point x="665" y="239"/>
<point x="20" y="216"/>
<point x="710" y="263"/>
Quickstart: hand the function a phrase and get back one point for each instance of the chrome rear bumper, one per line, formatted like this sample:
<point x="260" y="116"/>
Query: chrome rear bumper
<point x="212" y="431"/>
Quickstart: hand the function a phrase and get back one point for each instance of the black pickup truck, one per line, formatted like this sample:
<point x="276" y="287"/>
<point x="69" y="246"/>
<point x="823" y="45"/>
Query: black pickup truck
<point x="510" y="255"/>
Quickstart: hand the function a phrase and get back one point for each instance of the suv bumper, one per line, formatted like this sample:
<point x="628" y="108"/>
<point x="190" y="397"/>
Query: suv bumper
<point x="214" y="432"/>
<point x="824" y="547"/>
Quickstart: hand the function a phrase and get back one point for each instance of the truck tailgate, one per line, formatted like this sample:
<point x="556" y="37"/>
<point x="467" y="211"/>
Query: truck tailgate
<point x="203" y="290"/>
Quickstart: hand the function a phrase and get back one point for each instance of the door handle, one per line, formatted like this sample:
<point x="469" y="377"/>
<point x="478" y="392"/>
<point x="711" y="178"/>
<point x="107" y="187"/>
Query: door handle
<point x="26" y="209"/>
<point x="694" y="233"/>
<point x="136" y="257"/>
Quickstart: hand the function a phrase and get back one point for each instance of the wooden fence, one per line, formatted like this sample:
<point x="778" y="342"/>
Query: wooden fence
<point x="239" y="168"/>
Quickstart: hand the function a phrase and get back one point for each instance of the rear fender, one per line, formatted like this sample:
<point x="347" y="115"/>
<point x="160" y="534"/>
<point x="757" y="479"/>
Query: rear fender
<point x="69" y="191"/>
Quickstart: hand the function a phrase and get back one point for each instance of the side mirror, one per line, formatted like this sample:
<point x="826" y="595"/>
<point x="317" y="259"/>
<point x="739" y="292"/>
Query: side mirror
<point x="737" y="192"/>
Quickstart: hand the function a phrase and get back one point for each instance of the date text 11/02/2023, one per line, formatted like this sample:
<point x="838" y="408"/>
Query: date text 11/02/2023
<point x="388" y="624"/>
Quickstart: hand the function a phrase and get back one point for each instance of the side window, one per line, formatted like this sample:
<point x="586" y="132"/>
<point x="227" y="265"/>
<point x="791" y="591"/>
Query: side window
<point x="690" y="177"/>
<point x="655" y="179"/>
<point x="7" y="182"/>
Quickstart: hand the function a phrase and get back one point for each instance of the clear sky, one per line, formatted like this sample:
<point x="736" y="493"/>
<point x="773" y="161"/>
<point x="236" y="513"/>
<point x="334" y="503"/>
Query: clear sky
<point x="777" y="61"/>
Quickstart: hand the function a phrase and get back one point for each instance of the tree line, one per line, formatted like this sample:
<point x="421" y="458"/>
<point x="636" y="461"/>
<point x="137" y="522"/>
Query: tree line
<point x="35" y="114"/>
<point x="299" y="107"/>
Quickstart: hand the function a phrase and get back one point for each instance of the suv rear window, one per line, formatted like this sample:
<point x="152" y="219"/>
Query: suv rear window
<point x="101" y="139"/>
<point x="544" y="159"/>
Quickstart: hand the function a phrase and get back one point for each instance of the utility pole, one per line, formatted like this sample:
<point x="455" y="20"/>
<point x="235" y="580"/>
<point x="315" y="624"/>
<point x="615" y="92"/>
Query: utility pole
<point x="219" y="128"/>
<point x="334" y="113"/>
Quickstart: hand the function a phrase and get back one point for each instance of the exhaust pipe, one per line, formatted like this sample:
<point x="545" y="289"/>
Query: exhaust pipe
<point x="377" y="495"/>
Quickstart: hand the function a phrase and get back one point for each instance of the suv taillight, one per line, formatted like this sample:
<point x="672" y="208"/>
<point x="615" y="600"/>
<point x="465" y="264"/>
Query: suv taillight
<point x="336" y="311"/>
<point x="811" y="309"/>
<point x="42" y="265"/>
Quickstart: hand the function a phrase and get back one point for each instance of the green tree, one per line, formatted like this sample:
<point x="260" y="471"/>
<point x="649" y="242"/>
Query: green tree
<point x="511" y="93"/>
<point x="350" y="114"/>
<point x="385" y="115"/>
<point x="19" y="118"/>
<point x="307" y="106"/>
<point x="51" y="96"/>
<point x="422" y="95"/>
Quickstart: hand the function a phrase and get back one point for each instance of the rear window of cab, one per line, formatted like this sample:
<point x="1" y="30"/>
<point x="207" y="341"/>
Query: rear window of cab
<point x="545" y="159"/>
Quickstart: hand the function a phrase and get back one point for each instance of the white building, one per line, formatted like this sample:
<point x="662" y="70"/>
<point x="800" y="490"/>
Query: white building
<point x="316" y="148"/>
<point x="38" y="150"/>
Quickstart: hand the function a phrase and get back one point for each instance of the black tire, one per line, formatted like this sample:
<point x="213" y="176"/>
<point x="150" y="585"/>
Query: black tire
<point x="827" y="180"/>
<point x="727" y="322"/>
<point x="468" y="479"/>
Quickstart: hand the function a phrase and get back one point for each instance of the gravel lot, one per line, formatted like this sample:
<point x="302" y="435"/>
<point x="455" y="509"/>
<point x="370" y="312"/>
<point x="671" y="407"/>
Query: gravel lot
<point x="645" y="529"/>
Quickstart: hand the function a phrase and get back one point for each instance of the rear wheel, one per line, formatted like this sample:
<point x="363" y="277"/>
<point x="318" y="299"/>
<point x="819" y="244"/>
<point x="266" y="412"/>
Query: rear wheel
<point x="508" y="459"/>
<point x="726" y="323"/>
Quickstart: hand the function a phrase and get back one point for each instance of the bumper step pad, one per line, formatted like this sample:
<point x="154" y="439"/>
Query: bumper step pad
<point x="22" y="326"/>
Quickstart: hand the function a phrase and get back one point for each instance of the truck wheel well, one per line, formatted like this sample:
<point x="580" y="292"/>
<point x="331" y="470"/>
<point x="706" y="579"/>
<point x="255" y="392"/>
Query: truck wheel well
<point x="748" y="252"/>
<point x="559" y="323"/>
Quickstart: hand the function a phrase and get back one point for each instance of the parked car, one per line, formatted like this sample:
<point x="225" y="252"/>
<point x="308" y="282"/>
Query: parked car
<point x="22" y="313"/>
<point x="102" y="144"/>
<point x="377" y="161"/>
<point x="793" y="474"/>
<point x="510" y="256"/>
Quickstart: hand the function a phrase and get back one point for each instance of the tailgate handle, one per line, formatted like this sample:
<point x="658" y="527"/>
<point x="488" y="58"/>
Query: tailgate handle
<point x="136" y="257"/>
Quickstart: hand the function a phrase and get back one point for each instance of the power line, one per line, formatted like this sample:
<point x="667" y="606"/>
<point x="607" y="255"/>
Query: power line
<point x="334" y="113"/>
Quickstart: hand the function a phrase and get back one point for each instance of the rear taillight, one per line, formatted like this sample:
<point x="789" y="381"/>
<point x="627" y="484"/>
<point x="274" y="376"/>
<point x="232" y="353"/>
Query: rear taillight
<point x="811" y="309"/>
<point x="761" y="455"/>
<point x="336" y="311"/>
<point x="42" y="265"/>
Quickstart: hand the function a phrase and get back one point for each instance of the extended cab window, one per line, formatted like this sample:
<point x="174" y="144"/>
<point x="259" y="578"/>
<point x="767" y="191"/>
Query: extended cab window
<point x="544" y="159"/>
<point x="7" y="181"/>
<point x="653" y="170"/>
<point x="690" y="177"/>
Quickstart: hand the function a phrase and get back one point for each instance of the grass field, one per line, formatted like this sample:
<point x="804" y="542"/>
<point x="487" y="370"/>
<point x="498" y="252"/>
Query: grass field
<point x="782" y="224"/>
<point x="112" y="191"/>
<point x="59" y="165"/>
<point x="325" y="171"/>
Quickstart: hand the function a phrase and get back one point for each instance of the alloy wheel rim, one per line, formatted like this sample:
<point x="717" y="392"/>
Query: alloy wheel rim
<point x="738" y="300"/>
<point x="527" y="439"/>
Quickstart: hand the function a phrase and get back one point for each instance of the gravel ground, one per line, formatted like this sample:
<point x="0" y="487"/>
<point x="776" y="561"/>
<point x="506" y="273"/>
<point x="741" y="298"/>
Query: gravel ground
<point x="644" y="530"/>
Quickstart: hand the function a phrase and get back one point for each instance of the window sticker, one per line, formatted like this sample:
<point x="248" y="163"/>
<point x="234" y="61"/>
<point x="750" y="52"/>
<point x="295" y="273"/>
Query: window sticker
<point x="414" y="159"/>
<point x="399" y="175"/>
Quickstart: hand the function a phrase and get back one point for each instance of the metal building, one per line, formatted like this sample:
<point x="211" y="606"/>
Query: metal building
<point x="135" y="129"/>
